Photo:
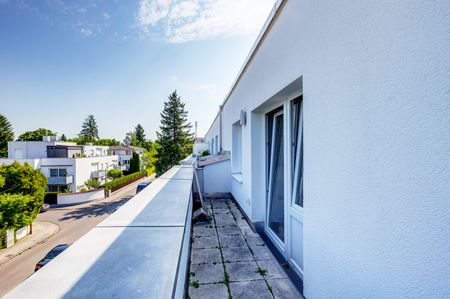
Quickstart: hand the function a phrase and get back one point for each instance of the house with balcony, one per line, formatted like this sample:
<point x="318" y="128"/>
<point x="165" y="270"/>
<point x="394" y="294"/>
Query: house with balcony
<point x="125" y="152"/>
<point x="66" y="165"/>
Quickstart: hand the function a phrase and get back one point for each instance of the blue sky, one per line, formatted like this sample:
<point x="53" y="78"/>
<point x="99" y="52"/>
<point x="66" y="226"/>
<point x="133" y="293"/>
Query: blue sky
<point x="119" y="60"/>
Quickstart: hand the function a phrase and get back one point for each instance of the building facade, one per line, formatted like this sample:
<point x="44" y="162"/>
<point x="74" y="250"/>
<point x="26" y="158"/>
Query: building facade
<point x="338" y="126"/>
<point x="125" y="153"/>
<point x="66" y="165"/>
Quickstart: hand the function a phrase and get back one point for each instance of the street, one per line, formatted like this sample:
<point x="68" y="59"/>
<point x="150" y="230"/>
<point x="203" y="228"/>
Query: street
<point x="73" y="222"/>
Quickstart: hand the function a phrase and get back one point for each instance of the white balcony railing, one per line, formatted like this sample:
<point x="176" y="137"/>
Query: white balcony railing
<point x="98" y="174"/>
<point x="60" y="180"/>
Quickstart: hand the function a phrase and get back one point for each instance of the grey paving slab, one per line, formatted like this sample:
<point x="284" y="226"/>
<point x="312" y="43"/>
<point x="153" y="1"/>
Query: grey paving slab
<point x="224" y="216"/>
<point x="254" y="239"/>
<point x="237" y="254"/>
<point x="222" y="211"/>
<point x="163" y="203"/>
<point x="205" y="242"/>
<point x="205" y="256"/>
<point x="113" y="267"/>
<point x="232" y="241"/>
<point x="229" y="231"/>
<point x="226" y="222"/>
<point x="208" y="291"/>
<point x="241" y="271"/>
<point x="250" y="290"/>
<point x="261" y="253"/>
<point x="283" y="289"/>
<point x="207" y="273"/>
<point x="273" y="269"/>
<point x="204" y="230"/>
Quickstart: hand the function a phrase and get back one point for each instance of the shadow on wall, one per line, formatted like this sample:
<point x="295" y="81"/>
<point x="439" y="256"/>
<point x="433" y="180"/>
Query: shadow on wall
<point x="96" y="210"/>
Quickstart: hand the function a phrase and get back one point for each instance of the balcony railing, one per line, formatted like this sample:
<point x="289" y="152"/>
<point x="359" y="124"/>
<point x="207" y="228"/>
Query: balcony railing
<point x="140" y="251"/>
<point x="120" y="167"/>
<point x="98" y="174"/>
<point x="60" y="180"/>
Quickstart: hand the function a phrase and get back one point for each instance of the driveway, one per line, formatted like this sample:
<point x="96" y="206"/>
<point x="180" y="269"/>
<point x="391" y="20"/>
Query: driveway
<point x="73" y="222"/>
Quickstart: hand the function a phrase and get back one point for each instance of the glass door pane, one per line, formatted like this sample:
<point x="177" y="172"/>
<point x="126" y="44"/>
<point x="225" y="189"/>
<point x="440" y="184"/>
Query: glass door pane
<point x="297" y="151"/>
<point x="276" y="179"/>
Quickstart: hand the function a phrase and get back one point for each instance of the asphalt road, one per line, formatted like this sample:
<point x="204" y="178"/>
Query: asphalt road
<point x="73" y="222"/>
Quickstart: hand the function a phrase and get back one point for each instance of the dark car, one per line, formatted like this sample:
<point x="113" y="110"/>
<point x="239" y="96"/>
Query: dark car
<point x="51" y="255"/>
<point x="141" y="186"/>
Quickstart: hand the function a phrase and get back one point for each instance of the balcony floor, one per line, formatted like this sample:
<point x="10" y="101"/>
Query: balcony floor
<point x="229" y="260"/>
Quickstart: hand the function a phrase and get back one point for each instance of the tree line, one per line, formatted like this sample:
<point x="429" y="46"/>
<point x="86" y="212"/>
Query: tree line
<point x="174" y="138"/>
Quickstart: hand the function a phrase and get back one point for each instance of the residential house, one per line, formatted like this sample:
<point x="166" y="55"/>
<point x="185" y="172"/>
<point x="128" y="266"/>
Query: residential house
<point x="66" y="165"/>
<point x="125" y="152"/>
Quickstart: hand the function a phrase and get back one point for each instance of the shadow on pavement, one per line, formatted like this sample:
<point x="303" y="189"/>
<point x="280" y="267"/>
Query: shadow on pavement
<point x="94" y="210"/>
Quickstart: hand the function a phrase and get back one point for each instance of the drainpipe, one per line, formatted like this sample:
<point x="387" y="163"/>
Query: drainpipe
<point x="220" y="128"/>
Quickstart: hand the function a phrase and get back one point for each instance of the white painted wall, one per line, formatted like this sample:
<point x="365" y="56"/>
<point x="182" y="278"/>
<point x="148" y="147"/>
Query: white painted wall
<point x="85" y="166"/>
<point x="75" y="198"/>
<point x="217" y="177"/>
<point x="377" y="137"/>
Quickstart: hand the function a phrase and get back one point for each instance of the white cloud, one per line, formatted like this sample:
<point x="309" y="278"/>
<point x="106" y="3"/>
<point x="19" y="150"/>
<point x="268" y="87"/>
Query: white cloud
<point x="186" y="20"/>
<point x="150" y="12"/>
<point x="173" y="78"/>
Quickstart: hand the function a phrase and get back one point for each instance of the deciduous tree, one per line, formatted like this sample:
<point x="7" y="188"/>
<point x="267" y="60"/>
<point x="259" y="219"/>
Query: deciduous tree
<point x="36" y="135"/>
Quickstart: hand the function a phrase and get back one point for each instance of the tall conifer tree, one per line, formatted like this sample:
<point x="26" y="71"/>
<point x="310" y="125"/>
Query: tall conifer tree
<point x="174" y="139"/>
<point x="140" y="135"/>
<point x="6" y="134"/>
<point x="89" y="130"/>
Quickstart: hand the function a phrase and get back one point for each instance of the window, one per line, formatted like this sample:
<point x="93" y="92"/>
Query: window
<point x="62" y="173"/>
<point x="236" y="153"/>
<point x="297" y="151"/>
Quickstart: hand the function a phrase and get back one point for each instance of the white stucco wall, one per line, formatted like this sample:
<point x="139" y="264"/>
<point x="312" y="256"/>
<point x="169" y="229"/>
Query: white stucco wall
<point x="216" y="177"/>
<point x="85" y="166"/>
<point x="376" y="90"/>
<point x="75" y="198"/>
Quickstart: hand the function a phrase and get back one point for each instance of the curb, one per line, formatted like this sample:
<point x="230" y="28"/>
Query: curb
<point x="9" y="257"/>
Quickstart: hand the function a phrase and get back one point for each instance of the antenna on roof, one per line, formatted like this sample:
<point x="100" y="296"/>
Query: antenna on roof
<point x="196" y="125"/>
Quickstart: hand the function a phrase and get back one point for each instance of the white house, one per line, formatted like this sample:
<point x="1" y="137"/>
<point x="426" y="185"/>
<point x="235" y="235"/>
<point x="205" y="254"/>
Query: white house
<point x="338" y="125"/>
<point x="66" y="165"/>
<point x="125" y="152"/>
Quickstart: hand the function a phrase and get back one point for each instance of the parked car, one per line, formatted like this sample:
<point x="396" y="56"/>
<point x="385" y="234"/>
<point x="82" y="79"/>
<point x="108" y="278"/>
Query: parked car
<point x="51" y="255"/>
<point x="45" y="207"/>
<point x="141" y="186"/>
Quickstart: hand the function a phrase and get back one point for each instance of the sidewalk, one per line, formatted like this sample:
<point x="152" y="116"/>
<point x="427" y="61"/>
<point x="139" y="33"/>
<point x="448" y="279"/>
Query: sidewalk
<point x="41" y="232"/>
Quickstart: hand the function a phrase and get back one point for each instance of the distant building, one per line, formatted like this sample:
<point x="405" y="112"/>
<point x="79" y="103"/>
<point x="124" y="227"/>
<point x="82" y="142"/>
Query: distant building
<point x="200" y="145"/>
<point x="66" y="165"/>
<point x="125" y="152"/>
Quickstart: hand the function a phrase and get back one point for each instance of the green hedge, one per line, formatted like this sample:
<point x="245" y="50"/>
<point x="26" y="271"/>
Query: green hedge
<point x="125" y="179"/>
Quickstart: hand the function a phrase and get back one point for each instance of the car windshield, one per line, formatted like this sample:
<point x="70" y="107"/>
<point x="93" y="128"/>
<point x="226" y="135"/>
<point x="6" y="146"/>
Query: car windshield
<point x="52" y="254"/>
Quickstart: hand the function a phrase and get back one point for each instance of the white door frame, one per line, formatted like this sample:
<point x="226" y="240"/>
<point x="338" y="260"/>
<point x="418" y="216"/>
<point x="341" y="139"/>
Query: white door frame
<point x="291" y="209"/>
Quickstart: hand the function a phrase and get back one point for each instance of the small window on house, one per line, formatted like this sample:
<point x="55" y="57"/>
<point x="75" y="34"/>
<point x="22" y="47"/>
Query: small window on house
<point x="236" y="153"/>
<point x="62" y="173"/>
<point x="53" y="173"/>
